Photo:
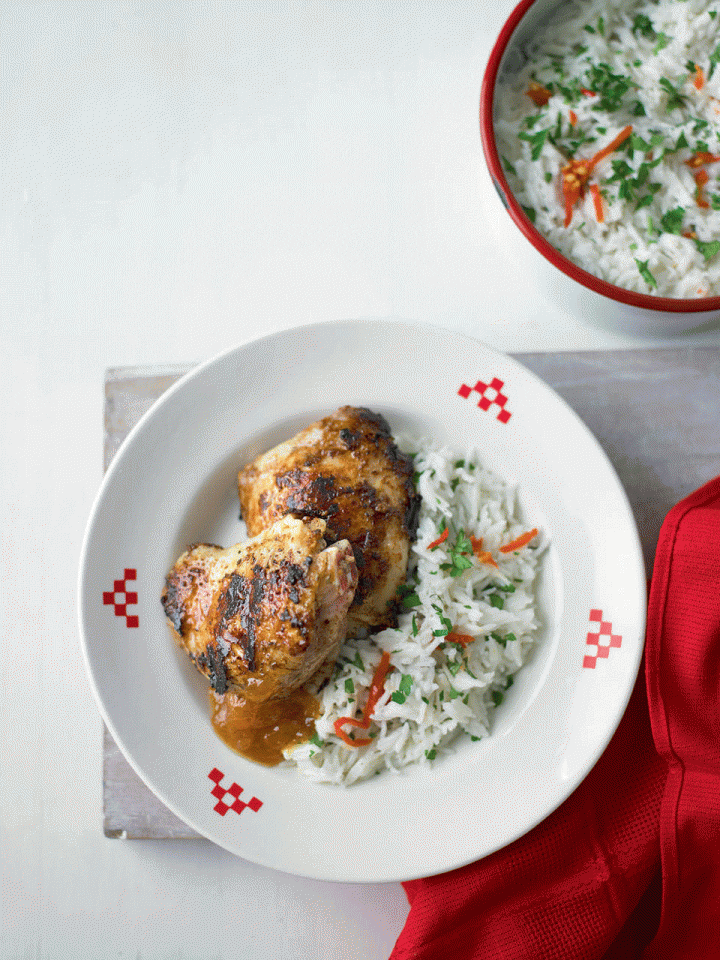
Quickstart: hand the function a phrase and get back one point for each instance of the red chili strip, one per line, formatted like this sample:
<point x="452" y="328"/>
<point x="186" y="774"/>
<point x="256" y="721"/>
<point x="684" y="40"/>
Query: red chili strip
<point x="701" y="178"/>
<point x="597" y="200"/>
<point x="538" y="94"/>
<point x="360" y="741"/>
<point x="377" y="686"/>
<point x="441" y="539"/>
<point x="376" y="691"/>
<point x="519" y="542"/>
<point x="462" y="638"/>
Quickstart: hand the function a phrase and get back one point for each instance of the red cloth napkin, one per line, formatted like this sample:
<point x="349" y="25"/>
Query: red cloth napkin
<point x="629" y="866"/>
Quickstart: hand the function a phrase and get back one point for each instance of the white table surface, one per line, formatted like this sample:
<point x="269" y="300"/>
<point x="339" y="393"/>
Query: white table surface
<point x="178" y="177"/>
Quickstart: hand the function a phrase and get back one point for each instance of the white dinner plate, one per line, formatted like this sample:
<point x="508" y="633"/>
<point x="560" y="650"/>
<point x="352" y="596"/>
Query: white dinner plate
<point x="172" y="483"/>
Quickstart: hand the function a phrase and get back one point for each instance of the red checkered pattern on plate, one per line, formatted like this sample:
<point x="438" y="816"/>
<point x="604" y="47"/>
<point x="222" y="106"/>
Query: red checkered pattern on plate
<point x="490" y="395"/>
<point x="233" y="791"/>
<point x="600" y="637"/>
<point x="120" y="598"/>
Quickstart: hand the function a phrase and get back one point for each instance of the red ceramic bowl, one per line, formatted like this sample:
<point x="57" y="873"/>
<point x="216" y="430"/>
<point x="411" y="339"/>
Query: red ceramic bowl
<point x="635" y="312"/>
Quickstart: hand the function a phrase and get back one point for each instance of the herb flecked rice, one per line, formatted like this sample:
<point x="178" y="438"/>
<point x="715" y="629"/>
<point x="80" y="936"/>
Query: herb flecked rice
<point x="468" y="624"/>
<point x="641" y="77"/>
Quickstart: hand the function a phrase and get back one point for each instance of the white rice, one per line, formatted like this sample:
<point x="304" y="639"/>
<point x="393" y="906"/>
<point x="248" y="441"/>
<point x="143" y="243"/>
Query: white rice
<point x="649" y="193"/>
<point x="437" y="690"/>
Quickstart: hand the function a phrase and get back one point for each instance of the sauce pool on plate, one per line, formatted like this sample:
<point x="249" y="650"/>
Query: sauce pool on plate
<point x="262" y="731"/>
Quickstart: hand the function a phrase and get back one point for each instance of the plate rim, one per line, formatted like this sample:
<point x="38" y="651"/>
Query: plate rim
<point x="366" y="876"/>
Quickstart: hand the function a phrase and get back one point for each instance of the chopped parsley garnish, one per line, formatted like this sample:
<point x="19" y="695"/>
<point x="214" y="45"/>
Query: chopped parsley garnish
<point x="671" y="222"/>
<point x="708" y="250"/>
<point x="647" y="198"/>
<point x="610" y="87"/>
<point x="497" y="697"/>
<point x="349" y="686"/>
<point x="401" y="694"/>
<point x="495" y="600"/>
<point x="643" y="25"/>
<point x="714" y="60"/>
<point x="431" y="754"/>
<point x="676" y="100"/>
<point x="532" y="216"/>
<point x="455" y="666"/>
<point x="315" y="740"/>
<point x="459" y="554"/>
<point x="410" y="600"/>
<point x="358" y="661"/>
<point x="508" y="166"/>
<point x="635" y="142"/>
<point x="642" y="266"/>
<point x="681" y="142"/>
<point x="446" y="622"/>
<point x="662" y="41"/>
<point x="503" y="640"/>
<point x="536" y="141"/>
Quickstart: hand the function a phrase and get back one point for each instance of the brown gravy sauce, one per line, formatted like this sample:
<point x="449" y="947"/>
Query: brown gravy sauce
<point x="261" y="731"/>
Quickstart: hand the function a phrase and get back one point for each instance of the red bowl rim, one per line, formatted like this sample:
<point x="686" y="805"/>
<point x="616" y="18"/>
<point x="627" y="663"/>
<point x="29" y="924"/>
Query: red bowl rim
<point x="645" y="301"/>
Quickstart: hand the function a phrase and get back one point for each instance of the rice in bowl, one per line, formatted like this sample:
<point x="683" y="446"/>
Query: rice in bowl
<point x="469" y="623"/>
<point x="609" y="136"/>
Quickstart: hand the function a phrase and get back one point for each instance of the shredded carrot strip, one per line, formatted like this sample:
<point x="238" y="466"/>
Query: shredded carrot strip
<point x="700" y="159"/>
<point x="597" y="200"/>
<point x="573" y="118"/>
<point x="462" y="638"/>
<point x="376" y="691"/>
<point x="538" y="94"/>
<point x="520" y="541"/>
<point x="484" y="556"/>
<point x="701" y="178"/>
<point x="441" y="539"/>
<point x="587" y="93"/>
<point x="576" y="173"/>
<point x="699" y="80"/>
<point x="613" y="145"/>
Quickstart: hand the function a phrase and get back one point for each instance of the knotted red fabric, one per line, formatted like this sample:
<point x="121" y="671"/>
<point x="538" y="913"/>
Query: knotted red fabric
<point x="628" y="868"/>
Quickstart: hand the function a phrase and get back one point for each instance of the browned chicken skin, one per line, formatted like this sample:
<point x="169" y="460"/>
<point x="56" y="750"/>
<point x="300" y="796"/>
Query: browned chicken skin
<point x="263" y="617"/>
<point x="347" y="470"/>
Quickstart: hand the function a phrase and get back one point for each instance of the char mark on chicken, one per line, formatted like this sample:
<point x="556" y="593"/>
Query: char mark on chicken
<point x="346" y="470"/>
<point x="263" y="617"/>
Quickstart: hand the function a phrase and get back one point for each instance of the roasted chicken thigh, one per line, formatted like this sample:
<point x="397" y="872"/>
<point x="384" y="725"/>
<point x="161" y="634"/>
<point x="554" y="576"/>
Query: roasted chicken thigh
<point x="263" y="617"/>
<point x="347" y="470"/>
